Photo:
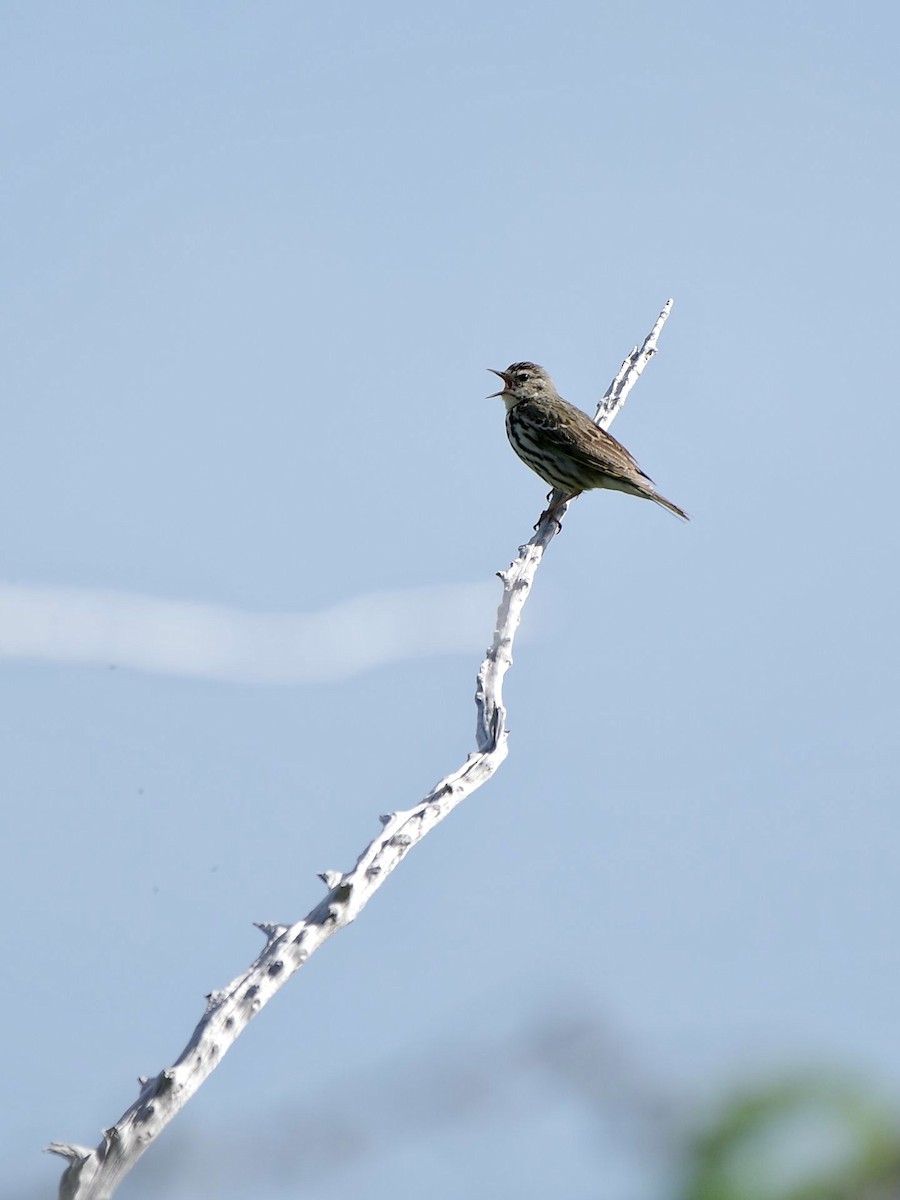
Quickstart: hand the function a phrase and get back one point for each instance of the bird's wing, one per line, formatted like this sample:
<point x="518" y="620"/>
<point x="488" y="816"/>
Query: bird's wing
<point x="574" y="434"/>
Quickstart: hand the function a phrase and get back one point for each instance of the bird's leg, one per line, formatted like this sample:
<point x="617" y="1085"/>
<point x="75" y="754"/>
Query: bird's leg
<point x="552" y="510"/>
<point x="546" y="513"/>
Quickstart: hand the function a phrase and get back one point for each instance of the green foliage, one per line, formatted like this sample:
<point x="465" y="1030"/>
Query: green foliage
<point x="807" y="1139"/>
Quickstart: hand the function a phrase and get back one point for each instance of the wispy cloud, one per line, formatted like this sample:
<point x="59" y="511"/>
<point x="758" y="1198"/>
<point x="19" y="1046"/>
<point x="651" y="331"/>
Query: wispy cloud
<point x="174" y="637"/>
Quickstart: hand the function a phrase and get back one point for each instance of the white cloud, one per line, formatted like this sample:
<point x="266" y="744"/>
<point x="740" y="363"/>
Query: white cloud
<point x="174" y="637"/>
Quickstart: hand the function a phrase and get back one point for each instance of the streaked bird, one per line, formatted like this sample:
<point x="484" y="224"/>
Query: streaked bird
<point x="562" y="444"/>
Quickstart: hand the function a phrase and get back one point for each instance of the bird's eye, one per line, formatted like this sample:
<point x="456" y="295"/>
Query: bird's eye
<point x="522" y="377"/>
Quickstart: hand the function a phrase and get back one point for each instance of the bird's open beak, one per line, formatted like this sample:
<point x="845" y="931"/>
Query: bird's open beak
<point x="501" y="375"/>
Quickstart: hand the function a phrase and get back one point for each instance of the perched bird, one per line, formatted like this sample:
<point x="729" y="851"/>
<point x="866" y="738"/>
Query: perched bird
<point x="562" y="444"/>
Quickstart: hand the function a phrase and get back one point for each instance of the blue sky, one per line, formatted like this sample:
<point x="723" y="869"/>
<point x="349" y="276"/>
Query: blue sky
<point x="256" y="261"/>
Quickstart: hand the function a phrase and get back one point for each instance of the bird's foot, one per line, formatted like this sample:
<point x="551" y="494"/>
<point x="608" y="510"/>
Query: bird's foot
<point x="552" y="512"/>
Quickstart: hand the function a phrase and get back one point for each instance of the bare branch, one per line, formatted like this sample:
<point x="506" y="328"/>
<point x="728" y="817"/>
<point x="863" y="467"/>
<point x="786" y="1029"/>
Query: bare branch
<point x="630" y="372"/>
<point x="94" y="1174"/>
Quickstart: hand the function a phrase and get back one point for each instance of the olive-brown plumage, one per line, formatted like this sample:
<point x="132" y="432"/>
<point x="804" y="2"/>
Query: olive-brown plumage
<point x="563" y="445"/>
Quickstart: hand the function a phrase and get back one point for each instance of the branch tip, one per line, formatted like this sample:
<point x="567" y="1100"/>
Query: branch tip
<point x="72" y="1153"/>
<point x="272" y="929"/>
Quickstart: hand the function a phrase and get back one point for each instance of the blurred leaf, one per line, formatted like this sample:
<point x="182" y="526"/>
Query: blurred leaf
<point x="807" y="1139"/>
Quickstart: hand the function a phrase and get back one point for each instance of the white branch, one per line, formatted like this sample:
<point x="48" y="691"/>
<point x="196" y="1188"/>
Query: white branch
<point x="630" y="372"/>
<point x="93" y="1174"/>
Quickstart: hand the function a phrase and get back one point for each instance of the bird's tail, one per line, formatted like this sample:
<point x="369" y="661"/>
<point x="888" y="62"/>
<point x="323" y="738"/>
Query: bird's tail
<point x="673" y="508"/>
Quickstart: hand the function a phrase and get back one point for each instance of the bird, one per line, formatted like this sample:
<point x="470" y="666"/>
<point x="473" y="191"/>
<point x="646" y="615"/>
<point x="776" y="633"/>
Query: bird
<point x="563" y="445"/>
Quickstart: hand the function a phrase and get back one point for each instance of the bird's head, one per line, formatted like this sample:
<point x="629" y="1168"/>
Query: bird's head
<point x="523" y="381"/>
